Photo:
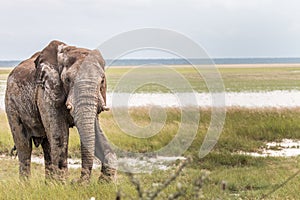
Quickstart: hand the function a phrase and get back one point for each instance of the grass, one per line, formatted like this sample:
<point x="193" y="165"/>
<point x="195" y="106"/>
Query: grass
<point x="234" y="79"/>
<point x="36" y="188"/>
<point x="244" y="129"/>
<point x="159" y="79"/>
<point x="228" y="174"/>
<point x="4" y="74"/>
<point x="247" y="182"/>
<point x="244" y="176"/>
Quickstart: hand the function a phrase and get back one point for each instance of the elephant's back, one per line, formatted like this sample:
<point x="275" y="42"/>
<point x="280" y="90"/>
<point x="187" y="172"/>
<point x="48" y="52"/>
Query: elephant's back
<point x="20" y="87"/>
<point x="24" y="72"/>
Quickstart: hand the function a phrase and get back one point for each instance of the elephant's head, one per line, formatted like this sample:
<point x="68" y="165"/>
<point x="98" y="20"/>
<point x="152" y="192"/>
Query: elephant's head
<point x="74" y="80"/>
<point x="82" y="73"/>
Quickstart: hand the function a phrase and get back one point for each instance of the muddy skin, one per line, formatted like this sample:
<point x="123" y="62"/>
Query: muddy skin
<point x="60" y="87"/>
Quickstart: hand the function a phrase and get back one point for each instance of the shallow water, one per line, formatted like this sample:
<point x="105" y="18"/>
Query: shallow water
<point x="277" y="99"/>
<point x="133" y="164"/>
<point x="284" y="148"/>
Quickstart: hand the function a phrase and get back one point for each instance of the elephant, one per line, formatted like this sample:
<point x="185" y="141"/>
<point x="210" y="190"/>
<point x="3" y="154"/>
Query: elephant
<point x="57" y="88"/>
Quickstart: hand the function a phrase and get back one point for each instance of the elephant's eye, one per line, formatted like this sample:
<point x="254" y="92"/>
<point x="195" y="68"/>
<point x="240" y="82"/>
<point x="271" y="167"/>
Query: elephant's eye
<point x="102" y="81"/>
<point x="67" y="80"/>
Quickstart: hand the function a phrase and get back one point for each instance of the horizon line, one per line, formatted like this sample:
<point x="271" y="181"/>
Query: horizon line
<point x="174" y="58"/>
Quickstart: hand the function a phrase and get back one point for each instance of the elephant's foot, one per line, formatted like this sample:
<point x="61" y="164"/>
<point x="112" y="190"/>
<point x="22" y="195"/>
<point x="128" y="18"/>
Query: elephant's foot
<point x="84" y="178"/>
<point x="80" y="181"/>
<point x="107" y="175"/>
<point x="24" y="173"/>
<point x="54" y="174"/>
<point x="53" y="182"/>
<point x="109" y="169"/>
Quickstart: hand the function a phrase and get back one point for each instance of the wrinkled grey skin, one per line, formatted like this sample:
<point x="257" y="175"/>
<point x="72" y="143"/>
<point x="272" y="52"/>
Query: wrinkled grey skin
<point x="55" y="89"/>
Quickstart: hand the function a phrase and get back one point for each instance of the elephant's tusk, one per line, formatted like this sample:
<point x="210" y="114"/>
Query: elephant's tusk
<point x="105" y="108"/>
<point x="69" y="107"/>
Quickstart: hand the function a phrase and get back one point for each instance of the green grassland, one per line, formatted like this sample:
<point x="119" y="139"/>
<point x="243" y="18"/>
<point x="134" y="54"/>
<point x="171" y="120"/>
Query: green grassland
<point x="224" y="174"/>
<point x="234" y="79"/>
<point x="246" y="177"/>
<point x="247" y="182"/>
<point x="4" y="74"/>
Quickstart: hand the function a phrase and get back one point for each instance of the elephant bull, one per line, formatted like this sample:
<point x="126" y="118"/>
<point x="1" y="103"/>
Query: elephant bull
<point x="60" y="87"/>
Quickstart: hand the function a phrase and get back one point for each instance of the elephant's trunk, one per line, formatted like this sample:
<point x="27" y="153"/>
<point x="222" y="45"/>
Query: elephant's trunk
<point x="85" y="110"/>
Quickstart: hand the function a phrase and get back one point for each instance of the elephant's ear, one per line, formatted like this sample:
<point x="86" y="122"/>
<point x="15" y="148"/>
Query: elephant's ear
<point x="47" y="72"/>
<point x="47" y="59"/>
<point x="49" y="54"/>
<point x="63" y="57"/>
<point x="37" y="61"/>
<point x="103" y="88"/>
<point x="96" y="53"/>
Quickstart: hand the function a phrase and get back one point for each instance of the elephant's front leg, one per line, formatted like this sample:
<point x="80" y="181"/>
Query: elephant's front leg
<point x="47" y="158"/>
<point x="57" y="132"/>
<point x="58" y="137"/>
<point x="63" y="147"/>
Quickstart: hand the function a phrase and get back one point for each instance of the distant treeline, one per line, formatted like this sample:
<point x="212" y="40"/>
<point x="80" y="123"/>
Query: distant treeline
<point x="169" y="61"/>
<point x="9" y="63"/>
<point x="203" y="61"/>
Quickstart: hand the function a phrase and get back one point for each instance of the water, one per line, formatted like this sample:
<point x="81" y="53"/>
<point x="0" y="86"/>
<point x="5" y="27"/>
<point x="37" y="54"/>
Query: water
<point x="277" y="99"/>
<point x="285" y="148"/>
<point x="135" y="165"/>
<point x="271" y="99"/>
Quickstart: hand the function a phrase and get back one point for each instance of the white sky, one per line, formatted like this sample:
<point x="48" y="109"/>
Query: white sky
<point x="225" y="28"/>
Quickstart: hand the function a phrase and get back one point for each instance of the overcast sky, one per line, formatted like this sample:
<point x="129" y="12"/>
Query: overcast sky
<point x="225" y="28"/>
